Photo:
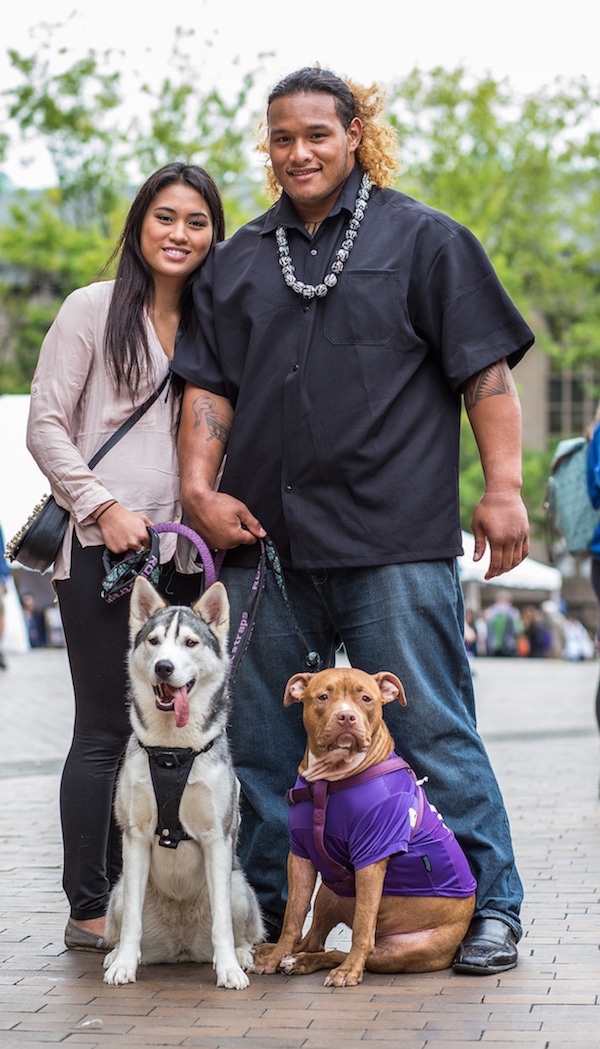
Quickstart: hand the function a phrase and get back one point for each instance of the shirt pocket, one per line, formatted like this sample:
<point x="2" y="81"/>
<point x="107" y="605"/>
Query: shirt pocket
<point x="363" y="309"/>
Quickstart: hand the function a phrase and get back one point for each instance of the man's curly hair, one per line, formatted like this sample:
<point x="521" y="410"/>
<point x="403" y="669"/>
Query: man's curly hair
<point x="378" y="149"/>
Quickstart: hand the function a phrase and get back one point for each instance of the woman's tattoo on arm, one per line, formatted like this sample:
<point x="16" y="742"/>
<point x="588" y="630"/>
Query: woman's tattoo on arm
<point x="488" y="383"/>
<point x="205" y="414"/>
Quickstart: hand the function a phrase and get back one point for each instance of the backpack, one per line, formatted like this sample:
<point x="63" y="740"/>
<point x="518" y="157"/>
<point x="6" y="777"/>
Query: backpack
<point x="568" y="503"/>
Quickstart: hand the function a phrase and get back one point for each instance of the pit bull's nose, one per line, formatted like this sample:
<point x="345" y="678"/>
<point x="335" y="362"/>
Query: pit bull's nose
<point x="348" y="716"/>
<point x="164" y="668"/>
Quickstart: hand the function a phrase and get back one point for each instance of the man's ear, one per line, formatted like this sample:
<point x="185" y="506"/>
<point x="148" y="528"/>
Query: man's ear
<point x="354" y="134"/>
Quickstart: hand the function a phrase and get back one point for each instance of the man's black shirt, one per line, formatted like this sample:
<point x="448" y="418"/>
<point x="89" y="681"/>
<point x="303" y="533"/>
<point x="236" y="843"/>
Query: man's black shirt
<point x="345" y="438"/>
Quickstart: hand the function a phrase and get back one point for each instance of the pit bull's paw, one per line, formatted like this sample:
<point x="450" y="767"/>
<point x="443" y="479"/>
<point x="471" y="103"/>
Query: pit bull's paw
<point x="233" y="978"/>
<point x="119" y="969"/>
<point x="288" y="965"/>
<point x="265" y="959"/>
<point x="343" y="978"/>
<point x="302" y="963"/>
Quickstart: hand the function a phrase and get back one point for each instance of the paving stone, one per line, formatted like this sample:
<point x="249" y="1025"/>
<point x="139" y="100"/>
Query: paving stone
<point x="537" y="719"/>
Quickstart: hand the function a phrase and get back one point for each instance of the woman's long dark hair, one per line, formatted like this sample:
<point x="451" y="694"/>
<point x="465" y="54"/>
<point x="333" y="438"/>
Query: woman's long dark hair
<point x="126" y="349"/>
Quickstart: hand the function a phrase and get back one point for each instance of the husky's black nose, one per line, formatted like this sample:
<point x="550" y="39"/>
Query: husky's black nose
<point x="164" y="668"/>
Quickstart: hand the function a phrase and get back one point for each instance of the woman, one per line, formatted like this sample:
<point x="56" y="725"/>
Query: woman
<point x="107" y="351"/>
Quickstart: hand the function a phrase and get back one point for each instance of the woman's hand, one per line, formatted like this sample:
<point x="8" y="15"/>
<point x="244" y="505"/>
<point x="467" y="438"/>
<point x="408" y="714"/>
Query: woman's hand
<point x="122" y="529"/>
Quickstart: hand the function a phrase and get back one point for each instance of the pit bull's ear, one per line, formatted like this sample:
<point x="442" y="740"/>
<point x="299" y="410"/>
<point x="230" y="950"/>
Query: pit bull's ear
<point x="295" y="689"/>
<point x="390" y="687"/>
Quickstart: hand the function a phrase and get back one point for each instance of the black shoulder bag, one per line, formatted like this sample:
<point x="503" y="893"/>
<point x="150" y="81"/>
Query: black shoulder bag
<point x="37" y="543"/>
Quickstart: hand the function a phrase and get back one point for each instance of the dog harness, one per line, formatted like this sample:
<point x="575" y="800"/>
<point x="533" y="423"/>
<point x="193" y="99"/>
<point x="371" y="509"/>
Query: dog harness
<point x="319" y="792"/>
<point x="169" y="770"/>
<point x="388" y="817"/>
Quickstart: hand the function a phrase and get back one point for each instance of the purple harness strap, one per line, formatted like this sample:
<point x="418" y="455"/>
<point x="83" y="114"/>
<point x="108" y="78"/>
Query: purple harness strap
<point x="319" y="792"/>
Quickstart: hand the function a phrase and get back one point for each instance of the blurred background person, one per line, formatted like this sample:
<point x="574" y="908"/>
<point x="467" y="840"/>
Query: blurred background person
<point x="34" y="617"/>
<point x="504" y="627"/>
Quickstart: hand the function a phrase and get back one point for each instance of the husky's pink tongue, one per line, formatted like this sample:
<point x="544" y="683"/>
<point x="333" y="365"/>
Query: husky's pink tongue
<point x="182" y="706"/>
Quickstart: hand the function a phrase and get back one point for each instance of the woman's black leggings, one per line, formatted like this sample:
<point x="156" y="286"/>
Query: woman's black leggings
<point x="97" y="640"/>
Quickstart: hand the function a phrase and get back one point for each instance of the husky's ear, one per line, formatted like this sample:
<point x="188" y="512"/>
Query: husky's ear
<point x="213" y="608"/>
<point x="145" y="601"/>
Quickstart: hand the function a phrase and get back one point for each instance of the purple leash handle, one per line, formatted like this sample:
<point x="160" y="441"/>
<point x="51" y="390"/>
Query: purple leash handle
<point x="212" y="567"/>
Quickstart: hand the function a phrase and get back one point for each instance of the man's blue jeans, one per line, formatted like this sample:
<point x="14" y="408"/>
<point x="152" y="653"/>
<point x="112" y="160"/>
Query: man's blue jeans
<point x="408" y="619"/>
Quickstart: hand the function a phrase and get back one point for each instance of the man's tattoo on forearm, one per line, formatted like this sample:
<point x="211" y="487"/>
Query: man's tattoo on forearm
<point x="206" y="415"/>
<point x="489" y="383"/>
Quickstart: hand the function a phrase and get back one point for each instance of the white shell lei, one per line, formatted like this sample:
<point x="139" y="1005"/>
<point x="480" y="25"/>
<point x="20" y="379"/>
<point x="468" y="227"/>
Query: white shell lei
<point x="308" y="291"/>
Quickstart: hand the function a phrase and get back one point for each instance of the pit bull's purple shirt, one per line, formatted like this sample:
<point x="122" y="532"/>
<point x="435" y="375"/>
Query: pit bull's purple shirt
<point x="373" y="820"/>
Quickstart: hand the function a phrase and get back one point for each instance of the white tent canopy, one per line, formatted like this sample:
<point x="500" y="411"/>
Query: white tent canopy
<point x="21" y="483"/>
<point x="529" y="575"/>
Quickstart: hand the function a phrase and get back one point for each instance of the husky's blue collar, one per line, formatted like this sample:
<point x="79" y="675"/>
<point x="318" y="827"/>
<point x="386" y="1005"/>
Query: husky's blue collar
<point x="169" y="769"/>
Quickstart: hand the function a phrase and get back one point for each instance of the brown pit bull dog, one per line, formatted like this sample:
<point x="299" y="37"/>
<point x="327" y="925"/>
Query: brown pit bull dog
<point x="391" y="870"/>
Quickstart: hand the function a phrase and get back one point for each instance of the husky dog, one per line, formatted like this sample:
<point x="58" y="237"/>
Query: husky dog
<point x="181" y="896"/>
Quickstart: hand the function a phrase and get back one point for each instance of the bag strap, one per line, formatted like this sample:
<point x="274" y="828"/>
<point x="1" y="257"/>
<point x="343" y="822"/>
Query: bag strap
<point x="129" y="423"/>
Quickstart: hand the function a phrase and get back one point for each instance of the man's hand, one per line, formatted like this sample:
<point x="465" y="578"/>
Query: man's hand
<point x="222" y="521"/>
<point x="501" y="519"/>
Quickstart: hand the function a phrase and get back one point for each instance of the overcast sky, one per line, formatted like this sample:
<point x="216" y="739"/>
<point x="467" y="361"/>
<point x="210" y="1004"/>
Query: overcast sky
<point x="529" y="42"/>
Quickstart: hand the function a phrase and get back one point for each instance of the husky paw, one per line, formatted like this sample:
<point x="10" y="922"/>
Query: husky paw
<point x="244" y="956"/>
<point x="110" y="957"/>
<point x="232" y="977"/>
<point x="119" y="970"/>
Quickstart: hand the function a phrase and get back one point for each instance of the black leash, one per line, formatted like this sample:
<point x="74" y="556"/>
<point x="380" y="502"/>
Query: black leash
<point x="268" y="558"/>
<point x="312" y="659"/>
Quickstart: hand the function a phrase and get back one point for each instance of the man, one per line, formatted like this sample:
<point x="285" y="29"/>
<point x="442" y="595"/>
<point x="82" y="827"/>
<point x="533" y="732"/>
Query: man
<point x="333" y="339"/>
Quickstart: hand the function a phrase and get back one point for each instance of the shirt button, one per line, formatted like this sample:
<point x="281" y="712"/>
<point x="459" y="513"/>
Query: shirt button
<point x="288" y="487"/>
<point x="306" y="309"/>
<point x="295" y="367"/>
<point x="314" y="251"/>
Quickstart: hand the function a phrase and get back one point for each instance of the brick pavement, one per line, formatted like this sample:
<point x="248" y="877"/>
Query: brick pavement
<point x="537" y="719"/>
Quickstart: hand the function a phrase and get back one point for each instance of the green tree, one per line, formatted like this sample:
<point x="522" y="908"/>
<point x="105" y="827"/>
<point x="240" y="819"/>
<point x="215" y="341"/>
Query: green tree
<point x="44" y="258"/>
<point x="60" y="239"/>
<point x="192" y="122"/>
<point x="522" y="172"/>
